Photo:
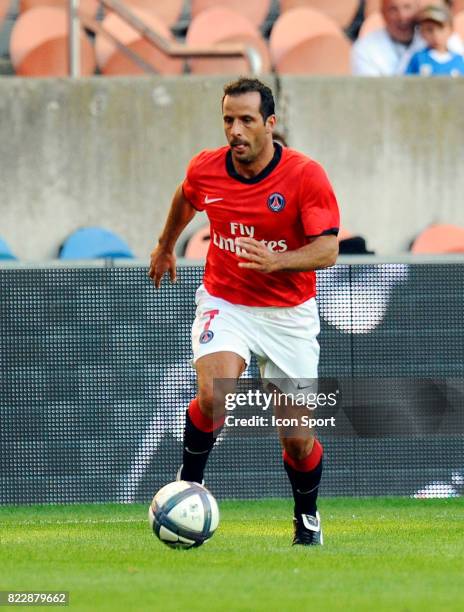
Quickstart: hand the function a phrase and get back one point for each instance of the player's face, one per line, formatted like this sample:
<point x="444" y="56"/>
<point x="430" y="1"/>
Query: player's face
<point x="246" y="131"/>
<point x="399" y="18"/>
<point x="435" y="34"/>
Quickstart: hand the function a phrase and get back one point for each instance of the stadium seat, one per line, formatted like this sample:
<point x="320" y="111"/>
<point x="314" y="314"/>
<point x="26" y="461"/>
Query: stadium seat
<point x="341" y="11"/>
<point x="112" y="61"/>
<point x="255" y="11"/>
<point x="222" y="25"/>
<point x="39" y="44"/>
<point x="89" y="7"/>
<point x="94" y="243"/>
<point x="324" y="54"/>
<point x="374" y="22"/>
<point x="297" y="26"/>
<point x="168" y="11"/>
<point x="438" y="239"/>
<point x="5" y="252"/>
<point x="198" y="244"/>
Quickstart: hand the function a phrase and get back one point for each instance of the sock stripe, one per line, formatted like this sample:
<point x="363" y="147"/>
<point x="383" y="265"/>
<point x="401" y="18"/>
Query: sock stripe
<point x="202" y="422"/>
<point x="308" y="463"/>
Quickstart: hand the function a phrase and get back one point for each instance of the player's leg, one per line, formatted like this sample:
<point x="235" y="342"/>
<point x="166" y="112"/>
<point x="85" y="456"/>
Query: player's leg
<point x="220" y="352"/>
<point x="292" y="357"/>
<point x="302" y="457"/>
<point x="303" y="464"/>
<point x="206" y="413"/>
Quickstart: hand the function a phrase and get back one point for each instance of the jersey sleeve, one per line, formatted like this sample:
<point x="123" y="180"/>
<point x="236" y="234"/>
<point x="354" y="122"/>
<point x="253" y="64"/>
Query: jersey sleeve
<point x="319" y="208"/>
<point x="190" y="186"/>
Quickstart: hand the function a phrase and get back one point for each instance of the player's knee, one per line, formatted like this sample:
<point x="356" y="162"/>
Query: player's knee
<point x="298" y="448"/>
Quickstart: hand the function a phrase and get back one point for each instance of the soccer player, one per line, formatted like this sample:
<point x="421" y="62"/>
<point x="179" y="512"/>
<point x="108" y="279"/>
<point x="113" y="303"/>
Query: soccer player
<point x="274" y="221"/>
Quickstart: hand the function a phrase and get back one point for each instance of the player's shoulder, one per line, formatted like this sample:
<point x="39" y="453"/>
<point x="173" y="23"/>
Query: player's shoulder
<point x="301" y="161"/>
<point x="208" y="157"/>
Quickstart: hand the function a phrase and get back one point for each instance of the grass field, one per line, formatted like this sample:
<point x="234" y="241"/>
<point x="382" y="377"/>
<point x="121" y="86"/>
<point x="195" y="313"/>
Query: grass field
<point x="380" y="554"/>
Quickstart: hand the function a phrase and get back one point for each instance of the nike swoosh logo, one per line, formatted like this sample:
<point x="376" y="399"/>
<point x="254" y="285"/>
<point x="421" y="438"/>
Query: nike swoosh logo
<point x="306" y="387"/>
<point x="311" y="522"/>
<point x="208" y="200"/>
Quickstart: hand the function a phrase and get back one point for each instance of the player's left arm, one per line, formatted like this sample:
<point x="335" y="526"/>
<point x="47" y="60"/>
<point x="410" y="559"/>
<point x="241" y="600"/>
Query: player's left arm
<point x="321" y="252"/>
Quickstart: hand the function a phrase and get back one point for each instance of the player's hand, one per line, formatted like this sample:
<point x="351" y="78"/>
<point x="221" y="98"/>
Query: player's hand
<point x="259" y="257"/>
<point x="162" y="261"/>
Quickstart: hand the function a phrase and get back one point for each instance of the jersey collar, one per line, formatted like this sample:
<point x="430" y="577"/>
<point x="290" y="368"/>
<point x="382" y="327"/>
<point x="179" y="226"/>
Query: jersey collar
<point x="265" y="172"/>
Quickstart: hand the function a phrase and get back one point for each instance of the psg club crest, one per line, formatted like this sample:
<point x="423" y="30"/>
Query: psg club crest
<point x="276" y="202"/>
<point x="206" y="336"/>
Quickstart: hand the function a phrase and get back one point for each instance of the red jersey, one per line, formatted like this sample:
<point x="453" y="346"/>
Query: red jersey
<point x="290" y="201"/>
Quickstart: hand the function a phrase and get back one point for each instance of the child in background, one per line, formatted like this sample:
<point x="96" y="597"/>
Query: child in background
<point x="436" y="27"/>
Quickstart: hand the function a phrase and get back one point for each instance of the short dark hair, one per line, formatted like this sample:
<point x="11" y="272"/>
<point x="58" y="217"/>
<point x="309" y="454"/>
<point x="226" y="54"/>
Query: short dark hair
<point x="245" y="85"/>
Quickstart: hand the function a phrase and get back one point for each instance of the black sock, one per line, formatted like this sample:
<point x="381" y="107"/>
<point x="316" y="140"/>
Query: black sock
<point x="305" y="487"/>
<point x="197" y="447"/>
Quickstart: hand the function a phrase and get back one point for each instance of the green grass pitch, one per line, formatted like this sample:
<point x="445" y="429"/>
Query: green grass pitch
<point x="379" y="554"/>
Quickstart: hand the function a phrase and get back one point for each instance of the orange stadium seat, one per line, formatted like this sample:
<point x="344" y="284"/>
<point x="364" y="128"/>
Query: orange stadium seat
<point x="254" y="10"/>
<point x="222" y="25"/>
<point x="89" y="7"/>
<point x="324" y="54"/>
<point x="374" y="22"/>
<point x="341" y="11"/>
<point x="112" y="61"/>
<point x="4" y="7"/>
<point x="168" y="11"/>
<point x="438" y="239"/>
<point x="39" y="44"/>
<point x="198" y="244"/>
<point x="297" y="26"/>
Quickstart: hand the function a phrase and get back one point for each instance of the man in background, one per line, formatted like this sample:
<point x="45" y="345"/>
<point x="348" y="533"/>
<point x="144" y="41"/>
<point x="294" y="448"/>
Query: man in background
<point x="388" y="51"/>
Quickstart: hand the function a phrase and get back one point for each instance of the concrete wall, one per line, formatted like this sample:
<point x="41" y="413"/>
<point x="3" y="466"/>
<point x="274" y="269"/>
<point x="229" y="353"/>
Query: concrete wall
<point x="394" y="149"/>
<point x="111" y="151"/>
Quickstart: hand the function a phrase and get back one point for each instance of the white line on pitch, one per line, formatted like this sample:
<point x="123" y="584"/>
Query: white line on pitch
<point x="78" y="522"/>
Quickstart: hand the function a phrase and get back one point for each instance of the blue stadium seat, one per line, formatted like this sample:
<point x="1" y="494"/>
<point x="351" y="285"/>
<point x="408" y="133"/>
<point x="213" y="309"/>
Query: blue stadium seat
<point x="5" y="251"/>
<point x="94" y="243"/>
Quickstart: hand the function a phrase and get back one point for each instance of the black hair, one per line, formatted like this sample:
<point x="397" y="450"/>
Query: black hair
<point x="246" y="85"/>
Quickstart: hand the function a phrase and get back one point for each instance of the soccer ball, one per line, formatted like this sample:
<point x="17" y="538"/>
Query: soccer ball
<point x="183" y="514"/>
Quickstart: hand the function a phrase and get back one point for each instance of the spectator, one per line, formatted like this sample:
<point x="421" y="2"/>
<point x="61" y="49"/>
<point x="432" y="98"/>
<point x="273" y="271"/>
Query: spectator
<point x="382" y="53"/>
<point x="436" y="28"/>
<point x="388" y="51"/>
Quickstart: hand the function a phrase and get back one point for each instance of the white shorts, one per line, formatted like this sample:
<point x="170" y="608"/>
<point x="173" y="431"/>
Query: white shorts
<point x="284" y="340"/>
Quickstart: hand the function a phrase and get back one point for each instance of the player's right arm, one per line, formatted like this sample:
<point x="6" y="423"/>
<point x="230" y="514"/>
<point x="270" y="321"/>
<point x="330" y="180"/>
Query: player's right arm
<point x="163" y="258"/>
